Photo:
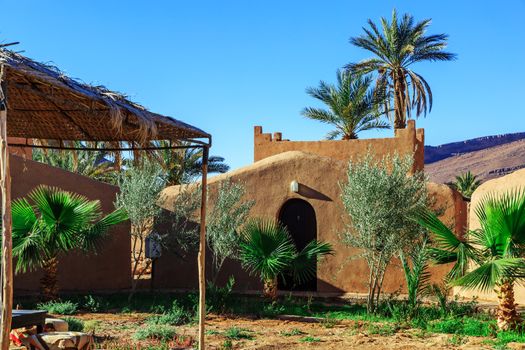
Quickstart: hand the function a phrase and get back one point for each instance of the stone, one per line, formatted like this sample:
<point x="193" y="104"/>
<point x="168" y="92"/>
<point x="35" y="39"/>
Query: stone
<point x="516" y="346"/>
<point x="60" y="341"/>
<point x="56" y="325"/>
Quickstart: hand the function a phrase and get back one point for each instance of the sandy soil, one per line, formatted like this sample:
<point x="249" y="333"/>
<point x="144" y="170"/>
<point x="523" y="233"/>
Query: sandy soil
<point x="283" y="334"/>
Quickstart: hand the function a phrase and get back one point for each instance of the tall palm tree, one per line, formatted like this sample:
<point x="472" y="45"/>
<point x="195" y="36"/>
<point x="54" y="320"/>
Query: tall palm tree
<point x="466" y="184"/>
<point x="396" y="46"/>
<point x="50" y="221"/>
<point x="495" y="251"/>
<point x="353" y="106"/>
<point x="267" y="250"/>
<point x="184" y="165"/>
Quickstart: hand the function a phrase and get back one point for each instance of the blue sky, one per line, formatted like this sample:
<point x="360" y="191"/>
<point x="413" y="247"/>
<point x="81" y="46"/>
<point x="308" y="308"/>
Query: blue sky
<point x="226" y="66"/>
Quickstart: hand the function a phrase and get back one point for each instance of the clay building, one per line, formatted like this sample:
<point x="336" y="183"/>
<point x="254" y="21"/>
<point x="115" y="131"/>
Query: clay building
<point x="298" y="183"/>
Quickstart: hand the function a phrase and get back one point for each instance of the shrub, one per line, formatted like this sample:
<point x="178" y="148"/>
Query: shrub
<point x="91" y="326"/>
<point x="217" y="298"/>
<point x="94" y="304"/>
<point x="59" y="307"/>
<point x="74" y="324"/>
<point x="176" y="316"/>
<point x="237" y="333"/>
<point x="156" y="331"/>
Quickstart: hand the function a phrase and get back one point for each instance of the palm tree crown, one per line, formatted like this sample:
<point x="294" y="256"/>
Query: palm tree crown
<point x="396" y="46"/>
<point x="466" y="184"/>
<point x="496" y="250"/>
<point x="267" y="250"/>
<point x="353" y="106"/>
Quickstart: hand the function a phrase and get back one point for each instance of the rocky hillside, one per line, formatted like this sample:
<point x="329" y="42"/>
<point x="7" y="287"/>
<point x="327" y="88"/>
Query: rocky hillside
<point x="488" y="157"/>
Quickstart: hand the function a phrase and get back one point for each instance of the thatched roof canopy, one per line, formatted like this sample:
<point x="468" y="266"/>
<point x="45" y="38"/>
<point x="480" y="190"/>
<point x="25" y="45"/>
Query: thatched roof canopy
<point x="43" y="103"/>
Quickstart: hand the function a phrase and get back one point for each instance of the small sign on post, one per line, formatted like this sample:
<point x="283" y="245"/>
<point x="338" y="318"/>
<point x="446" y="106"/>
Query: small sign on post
<point x="153" y="246"/>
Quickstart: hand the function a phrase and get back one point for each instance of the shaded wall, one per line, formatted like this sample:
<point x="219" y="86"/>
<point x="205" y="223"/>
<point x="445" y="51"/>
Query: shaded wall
<point x="268" y="183"/>
<point x="78" y="271"/>
<point x="501" y="185"/>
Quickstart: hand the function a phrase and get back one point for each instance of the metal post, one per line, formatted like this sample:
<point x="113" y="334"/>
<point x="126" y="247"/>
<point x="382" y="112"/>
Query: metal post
<point x="202" y="249"/>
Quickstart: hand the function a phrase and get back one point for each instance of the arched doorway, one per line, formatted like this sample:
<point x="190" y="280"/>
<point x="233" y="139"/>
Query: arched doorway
<point x="298" y="216"/>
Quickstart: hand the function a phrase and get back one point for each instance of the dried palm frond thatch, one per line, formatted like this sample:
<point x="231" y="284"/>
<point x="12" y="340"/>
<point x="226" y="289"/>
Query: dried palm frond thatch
<point x="44" y="103"/>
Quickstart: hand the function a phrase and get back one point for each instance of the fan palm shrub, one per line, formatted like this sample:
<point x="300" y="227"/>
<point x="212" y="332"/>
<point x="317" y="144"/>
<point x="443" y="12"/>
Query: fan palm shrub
<point x="50" y="221"/>
<point x="417" y="276"/>
<point x="396" y="46"/>
<point x="495" y="251"/>
<point x="466" y="184"/>
<point x="268" y="250"/>
<point x="353" y="106"/>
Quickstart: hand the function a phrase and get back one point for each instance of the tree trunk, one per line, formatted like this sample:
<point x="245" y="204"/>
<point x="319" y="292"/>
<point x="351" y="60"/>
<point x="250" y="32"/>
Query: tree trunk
<point x="399" y="101"/>
<point x="507" y="315"/>
<point x="49" y="283"/>
<point x="270" y="288"/>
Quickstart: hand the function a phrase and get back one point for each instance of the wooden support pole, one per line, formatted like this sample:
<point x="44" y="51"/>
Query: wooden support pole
<point x="202" y="249"/>
<point x="7" y="253"/>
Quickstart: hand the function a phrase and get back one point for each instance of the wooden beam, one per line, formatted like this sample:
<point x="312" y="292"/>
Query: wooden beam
<point x="202" y="249"/>
<point x="7" y="252"/>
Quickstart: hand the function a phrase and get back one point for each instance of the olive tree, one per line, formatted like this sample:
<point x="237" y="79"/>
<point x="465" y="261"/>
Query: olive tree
<point x="228" y="214"/>
<point x="381" y="197"/>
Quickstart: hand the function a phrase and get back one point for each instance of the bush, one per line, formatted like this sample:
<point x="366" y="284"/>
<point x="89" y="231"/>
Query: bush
<point x="176" y="316"/>
<point x="156" y="331"/>
<point x="94" y="304"/>
<point x="59" y="307"/>
<point x="217" y="298"/>
<point x="74" y="324"/>
<point x="91" y="326"/>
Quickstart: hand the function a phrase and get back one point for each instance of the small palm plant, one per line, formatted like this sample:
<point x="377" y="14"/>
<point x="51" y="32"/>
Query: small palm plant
<point x="495" y="251"/>
<point x="417" y="276"/>
<point x="353" y="106"/>
<point x="396" y="46"/>
<point x="267" y="250"/>
<point x="466" y="184"/>
<point x="50" y="221"/>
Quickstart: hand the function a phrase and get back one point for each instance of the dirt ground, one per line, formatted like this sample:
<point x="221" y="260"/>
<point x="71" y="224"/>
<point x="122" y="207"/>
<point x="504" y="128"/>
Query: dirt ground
<point x="283" y="334"/>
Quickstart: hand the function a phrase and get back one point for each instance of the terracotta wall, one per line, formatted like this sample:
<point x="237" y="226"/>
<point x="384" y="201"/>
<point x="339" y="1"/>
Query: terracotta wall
<point x="268" y="183"/>
<point x="78" y="271"/>
<point x="406" y="141"/>
<point x="513" y="181"/>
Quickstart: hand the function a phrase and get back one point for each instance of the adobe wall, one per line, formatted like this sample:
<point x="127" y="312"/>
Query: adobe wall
<point x="513" y="181"/>
<point x="268" y="183"/>
<point x="406" y="141"/>
<point x="78" y="271"/>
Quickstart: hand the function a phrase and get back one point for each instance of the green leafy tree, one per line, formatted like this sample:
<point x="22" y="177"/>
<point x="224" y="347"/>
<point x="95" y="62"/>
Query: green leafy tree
<point x="353" y="106"/>
<point x="268" y="250"/>
<point x="228" y="214"/>
<point x="50" y="221"/>
<point x="379" y="199"/>
<point x="466" y="184"/>
<point x="396" y="46"/>
<point x="140" y="188"/>
<point x="495" y="251"/>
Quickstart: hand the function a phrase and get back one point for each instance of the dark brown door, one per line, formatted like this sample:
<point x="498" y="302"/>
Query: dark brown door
<point x="298" y="216"/>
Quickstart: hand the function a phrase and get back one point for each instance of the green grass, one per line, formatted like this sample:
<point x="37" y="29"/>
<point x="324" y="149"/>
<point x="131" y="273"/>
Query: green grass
<point x="156" y="331"/>
<point x="309" y="339"/>
<point x="293" y="332"/>
<point x="235" y="333"/>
